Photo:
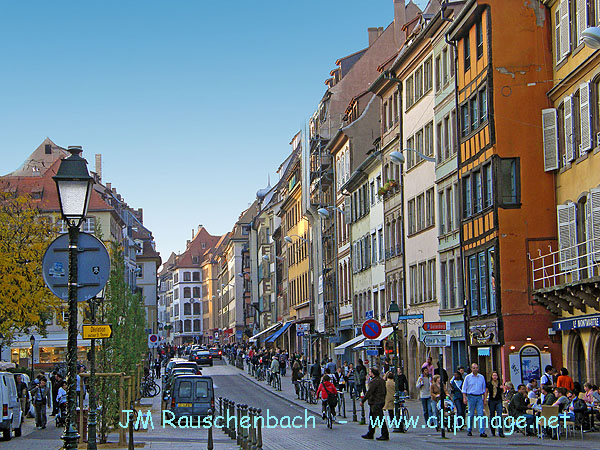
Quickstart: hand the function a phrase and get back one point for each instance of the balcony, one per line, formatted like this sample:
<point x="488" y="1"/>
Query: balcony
<point x="567" y="278"/>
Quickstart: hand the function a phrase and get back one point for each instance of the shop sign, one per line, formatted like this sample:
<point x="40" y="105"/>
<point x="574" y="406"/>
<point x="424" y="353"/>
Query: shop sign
<point x="577" y="322"/>
<point x="485" y="333"/>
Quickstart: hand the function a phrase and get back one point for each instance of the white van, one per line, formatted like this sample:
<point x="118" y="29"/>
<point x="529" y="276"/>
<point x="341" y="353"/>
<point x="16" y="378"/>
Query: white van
<point x="10" y="407"/>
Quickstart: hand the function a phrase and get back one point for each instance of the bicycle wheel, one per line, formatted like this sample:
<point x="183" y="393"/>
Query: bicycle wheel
<point x="402" y="421"/>
<point x="329" y="417"/>
<point x="157" y="387"/>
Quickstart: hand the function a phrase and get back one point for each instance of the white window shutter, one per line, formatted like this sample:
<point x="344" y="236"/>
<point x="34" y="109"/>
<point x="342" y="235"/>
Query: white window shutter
<point x="585" y="118"/>
<point x="568" y="104"/>
<point x="550" y="138"/>
<point x="582" y="18"/>
<point x="567" y="236"/>
<point x="348" y="210"/>
<point x="593" y="220"/>
<point x="565" y="28"/>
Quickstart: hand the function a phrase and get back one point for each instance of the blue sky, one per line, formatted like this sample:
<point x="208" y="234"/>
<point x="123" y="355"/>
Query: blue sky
<point x="191" y="103"/>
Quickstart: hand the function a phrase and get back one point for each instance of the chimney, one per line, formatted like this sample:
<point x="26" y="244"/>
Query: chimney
<point x="140" y="212"/>
<point x="373" y="34"/>
<point x="99" y="166"/>
<point x="193" y="234"/>
<point x="109" y="186"/>
<point x="399" y="21"/>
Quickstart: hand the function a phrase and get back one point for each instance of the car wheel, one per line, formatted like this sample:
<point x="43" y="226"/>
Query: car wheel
<point x="7" y="434"/>
<point x="18" y="431"/>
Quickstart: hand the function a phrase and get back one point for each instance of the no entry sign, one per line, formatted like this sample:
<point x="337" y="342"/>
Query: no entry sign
<point x="371" y="329"/>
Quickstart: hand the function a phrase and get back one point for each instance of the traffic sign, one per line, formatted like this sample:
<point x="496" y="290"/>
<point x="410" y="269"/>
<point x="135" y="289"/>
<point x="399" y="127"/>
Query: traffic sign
<point x="369" y="314"/>
<point x="93" y="266"/>
<point x="423" y="333"/>
<point x="437" y="340"/>
<point x="372" y="352"/>
<point x="371" y="329"/>
<point x="371" y="343"/>
<point x="436" y="326"/>
<point x="152" y="341"/>
<point x="96" y="331"/>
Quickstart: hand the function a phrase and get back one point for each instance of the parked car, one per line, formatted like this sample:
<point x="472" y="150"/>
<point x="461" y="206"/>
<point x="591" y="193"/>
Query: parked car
<point x="11" y="416"/>
<point x="202" y="357"/>
<point x="216" y="352"/>
<point x="176" y="372"/>
<point x="192" y="395"/>
<point x="172" y="362"/>
<point x="189" y="364"/>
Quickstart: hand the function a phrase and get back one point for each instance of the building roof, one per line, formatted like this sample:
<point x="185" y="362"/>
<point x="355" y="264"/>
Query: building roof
<point x="40" y="160"/>
<point x="194" y="254"/>
<point x="43" y="190"/>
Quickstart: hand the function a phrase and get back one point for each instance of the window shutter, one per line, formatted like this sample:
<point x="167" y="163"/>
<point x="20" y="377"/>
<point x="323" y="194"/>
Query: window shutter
<point x="565" y="29"/>
<point x="550" y="136"/>
<point x="585" y="118"/>
<point x="567" y="236"/>
<point x="582" y="18"/>
<point x="593" y="221"/>
<point x="348" y="210"/>
<point x="568" y="103"/>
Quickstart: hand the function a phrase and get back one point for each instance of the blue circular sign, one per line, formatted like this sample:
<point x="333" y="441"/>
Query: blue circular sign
<point x="371" y="329"/>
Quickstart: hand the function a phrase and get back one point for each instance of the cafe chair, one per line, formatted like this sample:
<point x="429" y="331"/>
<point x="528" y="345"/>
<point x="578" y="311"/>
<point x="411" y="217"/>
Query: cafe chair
<point x="546" y="414"/>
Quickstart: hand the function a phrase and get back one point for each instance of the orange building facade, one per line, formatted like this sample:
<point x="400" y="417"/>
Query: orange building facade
<point x="507" y="200"/>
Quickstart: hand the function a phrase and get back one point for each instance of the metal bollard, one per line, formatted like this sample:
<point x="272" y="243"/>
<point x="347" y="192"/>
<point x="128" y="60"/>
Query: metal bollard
<point x="259" y="431"/>
<point x="232" y="414"/>
<point x="244" y="428"/>
<point x="220" y="407"/>
<point x="354" y="419"/>
<point x="229" y="431"/>
<point x="344" y="403"/>
<point x="238" y="435"/>
<point x="362" y="414"/>
<point x="210" y="445"/>
<point x="252" y="430"/>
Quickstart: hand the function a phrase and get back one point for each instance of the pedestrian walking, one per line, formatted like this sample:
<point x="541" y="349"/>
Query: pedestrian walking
<point x="474" y="396"/>
<point x="375" y="396"/>
<point x="495" y="395"/>
<point x="315" y="373"/>
<point x="350" y="378"/>
<point x="296" y="376"/>
<point x="436" y="395"/>
<point x="41" y="396"/>
<point x="424" y="386"/>
<point x="390" y="391"/>
<point x="457" y="397"/>
<point x="361" y="378"/>
<point x="331" y="366"/>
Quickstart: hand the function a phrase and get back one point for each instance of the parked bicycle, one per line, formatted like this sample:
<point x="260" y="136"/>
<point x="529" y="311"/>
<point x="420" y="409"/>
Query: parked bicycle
<point x="149" y="388"/>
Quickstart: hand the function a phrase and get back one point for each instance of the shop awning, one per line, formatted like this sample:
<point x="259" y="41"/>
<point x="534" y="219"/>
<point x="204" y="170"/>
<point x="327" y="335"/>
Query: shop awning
<point x="278" y="333"/>
<point x="257" y="335"/>
<point x="384" y="334"/>
<point x="340" y="349"/>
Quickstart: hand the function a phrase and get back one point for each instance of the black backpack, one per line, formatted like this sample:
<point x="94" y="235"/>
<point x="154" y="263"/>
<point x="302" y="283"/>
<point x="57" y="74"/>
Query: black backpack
<point x="332" y="399"/>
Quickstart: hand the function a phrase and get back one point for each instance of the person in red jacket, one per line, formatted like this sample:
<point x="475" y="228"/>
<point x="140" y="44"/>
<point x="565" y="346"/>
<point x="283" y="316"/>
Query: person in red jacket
<point x="325" y="389"/>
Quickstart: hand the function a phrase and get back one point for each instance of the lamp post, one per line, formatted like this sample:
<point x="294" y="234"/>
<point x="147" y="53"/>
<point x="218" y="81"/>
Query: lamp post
<point x="91" y="445"/>
<point x="74" y="186"/>
<point x="393" y="314"/>
<point x="32" y="341"/>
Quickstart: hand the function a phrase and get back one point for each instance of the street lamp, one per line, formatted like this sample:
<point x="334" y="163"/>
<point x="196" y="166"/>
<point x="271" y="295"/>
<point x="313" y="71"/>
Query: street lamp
<point x="398" y="157"/>
<point x="393" y="314"/>
<point x="32" y="341"/>
<point x="289" y="239"/>
<point x="268" y="259"/>
<point x="324" y="212"/>
<point x="591" y="37"/>
<point x="74" y="186"/>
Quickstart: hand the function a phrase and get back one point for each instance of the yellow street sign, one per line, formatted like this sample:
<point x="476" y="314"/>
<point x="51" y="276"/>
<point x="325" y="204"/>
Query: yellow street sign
<point x="96" y="331"/>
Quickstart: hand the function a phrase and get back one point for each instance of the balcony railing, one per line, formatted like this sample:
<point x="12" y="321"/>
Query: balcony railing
<point x="565" y="265"/>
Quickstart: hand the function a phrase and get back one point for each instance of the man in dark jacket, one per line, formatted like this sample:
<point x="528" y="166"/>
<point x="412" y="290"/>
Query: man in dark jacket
<point x="376" y="397"/>
<point x="518" y="407"/>
<point x="402" y="382"/>
<point x="315" y="373"/>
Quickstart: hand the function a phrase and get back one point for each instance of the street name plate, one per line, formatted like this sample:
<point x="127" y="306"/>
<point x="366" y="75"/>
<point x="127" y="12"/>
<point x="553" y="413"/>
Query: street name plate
<point x="371" y="343"/>
<point x="93" y="267"/>
<point x="96" y="331"/>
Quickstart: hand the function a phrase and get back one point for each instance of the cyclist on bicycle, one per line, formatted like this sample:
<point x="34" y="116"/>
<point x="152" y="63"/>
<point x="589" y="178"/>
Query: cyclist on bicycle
<point x="325" y="390"/>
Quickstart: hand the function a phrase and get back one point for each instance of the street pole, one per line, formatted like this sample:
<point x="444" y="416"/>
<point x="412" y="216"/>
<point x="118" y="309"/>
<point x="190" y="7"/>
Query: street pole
<point x="442" y="393"/>
<point x="91" y="445"/>
<point x="396" y="378"/>
<point x="71" y="436"/>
